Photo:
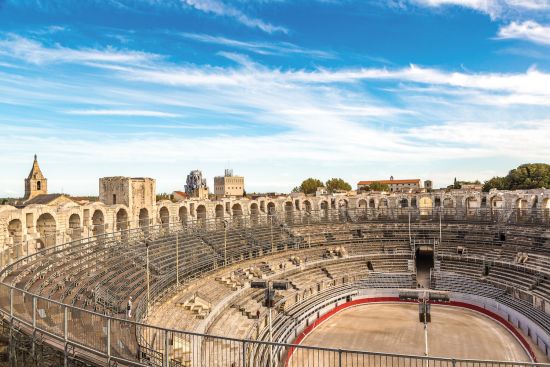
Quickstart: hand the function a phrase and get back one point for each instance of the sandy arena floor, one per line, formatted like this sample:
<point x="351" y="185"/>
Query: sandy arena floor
<point x="394" y="328"/>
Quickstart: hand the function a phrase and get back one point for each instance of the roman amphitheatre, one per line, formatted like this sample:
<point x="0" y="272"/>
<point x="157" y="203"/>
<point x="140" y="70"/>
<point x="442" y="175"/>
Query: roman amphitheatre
<point x="442" y="278"/>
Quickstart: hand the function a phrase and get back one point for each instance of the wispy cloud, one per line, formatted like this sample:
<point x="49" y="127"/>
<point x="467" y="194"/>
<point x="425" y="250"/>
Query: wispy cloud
<point x="261" y="48"/>
<point x="144" y="113"/>
<point x="34" y="52"/>
<point x="494" y="8"/>
<point x="219" y="8"/>
<point x="528" y="30"/>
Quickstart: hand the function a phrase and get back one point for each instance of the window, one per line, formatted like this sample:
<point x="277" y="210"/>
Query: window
<point x="38" y="185"/>
<point x="114" y="199"/>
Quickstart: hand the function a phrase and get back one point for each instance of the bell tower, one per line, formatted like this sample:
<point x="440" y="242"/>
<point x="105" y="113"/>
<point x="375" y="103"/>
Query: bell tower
<point x="35" y="184"/>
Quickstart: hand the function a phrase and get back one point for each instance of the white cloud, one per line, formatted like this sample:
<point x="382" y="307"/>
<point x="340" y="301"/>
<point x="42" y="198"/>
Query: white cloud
<point x="261" y="48"/>
<point x="143" y="113"/>
<point x="494" y="8"/>
<point x="219" y="8"/>
<point x="34" y="52"/>
<point x="528" y="30"/>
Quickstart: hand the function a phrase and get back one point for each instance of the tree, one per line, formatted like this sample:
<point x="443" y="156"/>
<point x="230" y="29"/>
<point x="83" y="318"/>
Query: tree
<point x="309" y="186"/>
<point x="336" y="184"/>
<point x="377" y="186"/>
<point x="526" y="176"/>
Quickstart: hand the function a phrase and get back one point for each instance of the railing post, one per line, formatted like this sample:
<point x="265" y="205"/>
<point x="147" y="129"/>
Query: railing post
<point x="244" y="354"/>
<point x="339" y="357"/>
<point x="108" y="342"/>
<point x="33" y="322"/>
<point x="65" y="335"/>
<point x="166" y="354"/>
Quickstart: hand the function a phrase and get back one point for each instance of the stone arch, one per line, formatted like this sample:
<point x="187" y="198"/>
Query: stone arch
<point x="383" y="203"/>
<point x="372" y="203"/>
<point x="15" y="232"/>
<point x="289" y="211"/>
<point x="98" y="223"/>
<point x="121" y="220"/>
<point x="143" y="218"/>
<point x="219" y="212"/>
<point x="521" y="203"/>
<point x="182" y="213"/>
<point x="75" y="227"/>
<point x="271" y="209"/>
<point x="414" y="203"/>
<point x="297" y="204"/>
<point x="403" y="203"/>
<point x="472" y="205"/>
<point x="483" y="202"/>
<point x="201" y="214"/>
<point x="448" y="203"/>
<point x="164" y="215"/>
<point x="426" y="205"/>
<point x="237" y="210"/>
<point x="362" y="204"/>
<point x="343" y="203"/>
<point x="546" y="208"/>
<point x="47" y="228"/>
<point x="437" y="202"/>
<point x="307" y="206"/>
<point x="496" y="202"/>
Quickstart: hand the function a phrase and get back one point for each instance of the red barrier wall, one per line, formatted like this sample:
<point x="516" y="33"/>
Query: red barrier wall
<point x="356" y="302"/>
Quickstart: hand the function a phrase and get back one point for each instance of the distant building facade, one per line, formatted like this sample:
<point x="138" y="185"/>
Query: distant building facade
<point x="35" y="184"/>
<point x="229" y="185"/>
<point x="394" y="185"/>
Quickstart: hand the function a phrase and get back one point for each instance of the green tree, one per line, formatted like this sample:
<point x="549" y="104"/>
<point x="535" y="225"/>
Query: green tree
<point x="309" y="186"/>
<point x="335" y="184"/>
<point x="526" y="176"/>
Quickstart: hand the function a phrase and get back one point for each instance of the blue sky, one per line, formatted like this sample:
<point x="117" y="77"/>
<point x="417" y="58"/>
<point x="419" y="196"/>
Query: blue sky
<point x="278" y="90"/>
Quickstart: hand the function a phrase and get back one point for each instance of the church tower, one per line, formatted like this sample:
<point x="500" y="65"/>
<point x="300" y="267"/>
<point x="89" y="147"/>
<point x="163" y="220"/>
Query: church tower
<point x="36" y="184"/>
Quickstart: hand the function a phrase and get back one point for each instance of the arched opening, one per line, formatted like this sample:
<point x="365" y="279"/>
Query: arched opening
<point x="472" y="206"/>
<point x="46" y="227"/>
<point x="413" y="203"/>
<point x="404" y="203"/>
<point x="383" y="204"/>
<point x="164" y="214"/>
<point x="324" y="209"/>
<point x="484" y="202"/>
<point x="75" y="229"/>
<point x="15" y="231"/>
<point x="271" y="208"/>
<point x="98" y="223"/>
<point x="372" y="204"/>
<point x="254" y="213"/>
<point x="546" y="209"/>
<point x="307" y="206"/>
<point x="143" y="218"/>
<point x="426" y="206"/>
<point x="437" y="202"/>
<point x="297" y="204"/>
<point x="121" y="220"/>
<point x="237" y="210"/>
<point x="201" y="215"/>
<point x="522" y="205"/>
<point x="362" y="204"/>
<point x="182" y="213"/>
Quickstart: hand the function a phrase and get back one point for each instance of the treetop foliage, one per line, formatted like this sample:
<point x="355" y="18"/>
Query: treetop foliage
<point x="526" y="176"/>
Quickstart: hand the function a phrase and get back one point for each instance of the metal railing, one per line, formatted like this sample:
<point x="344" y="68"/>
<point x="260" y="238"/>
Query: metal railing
<point x="104" y="339"/>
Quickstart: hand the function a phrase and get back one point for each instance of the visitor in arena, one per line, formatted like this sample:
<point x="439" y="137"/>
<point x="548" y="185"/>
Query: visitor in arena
<point x="129" y="308"/>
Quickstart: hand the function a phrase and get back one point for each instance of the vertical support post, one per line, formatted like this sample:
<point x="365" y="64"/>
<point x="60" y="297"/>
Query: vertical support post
<point x="339" y="358"/>
<point x="33" y="323"/>
<point x="147" y="274"/>
<point x="270" y="338"/>
<point x="243" y="364"/>
<point x="65" y="335"/>
<point x="271" y="231"/>
<point x="166" y="350"/>
<point x="177" y="260"/>
<point x="108" y="349"/>
<point x="224" y="243"/>
<point x="410" y="236"/>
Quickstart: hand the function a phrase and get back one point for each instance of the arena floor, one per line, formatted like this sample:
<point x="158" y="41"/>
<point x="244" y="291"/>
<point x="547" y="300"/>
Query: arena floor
<point x="394" y="328"/>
